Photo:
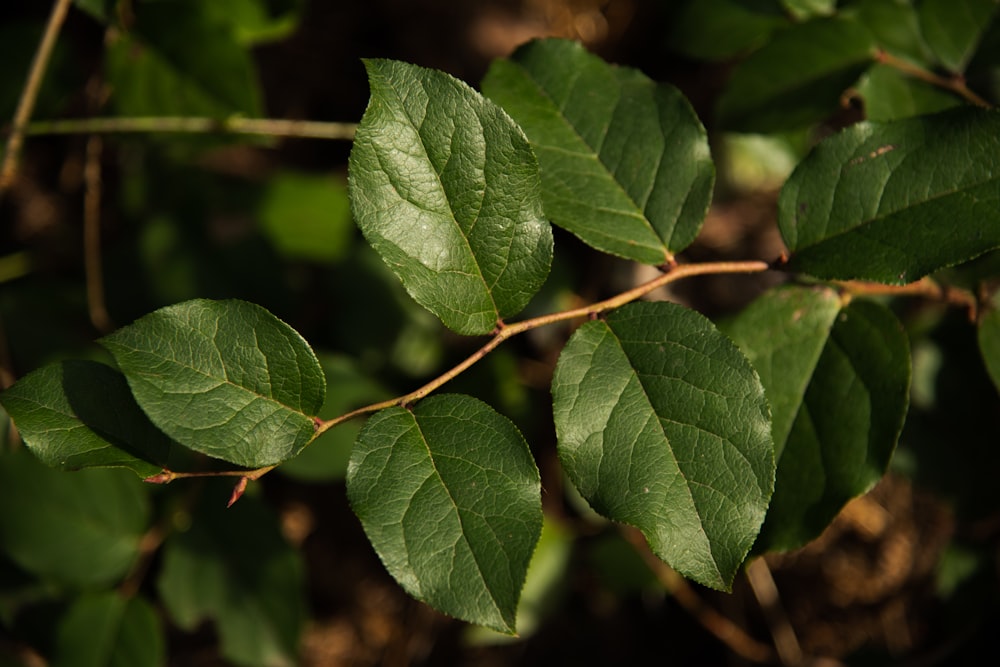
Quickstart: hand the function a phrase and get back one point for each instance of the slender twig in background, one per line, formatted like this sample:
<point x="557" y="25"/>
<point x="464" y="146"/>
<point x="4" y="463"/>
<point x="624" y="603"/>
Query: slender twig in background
<point x="766" y="591"/>
<point x="732" y="635"/>
<point x="92" y="264"/>
<point x="955" y="84"/>
<point x="925" y="288"/>
<point x="30" y="93"/>
<point x="166" y="124"/>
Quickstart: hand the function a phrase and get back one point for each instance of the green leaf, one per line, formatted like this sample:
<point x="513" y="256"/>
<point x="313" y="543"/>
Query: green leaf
<point x="805" y="9"/>
<point x="106" y="629"/>
<point x="79" y="528"/>
<point x="662" y="424"/>
<point x="889" y="94"/>
<point x="307" y="217"/>
<point x="625" y="162"/>
<point x="445" y="187"/>
<point x="893" y="202"/>
<point x="989" y="341"/>
<point x="797" y="78"/>
<point x="895" y="27"/>
<point x="81" y="414"/>
<point x="177" y="60"/>
<point x="838" y="382"/>
<point x="718" y="29"/>
<point x="225" y="378"/>
<point x="450" y="497"/>
<point x="953" y="28"/>
<point x="234" y="568"/>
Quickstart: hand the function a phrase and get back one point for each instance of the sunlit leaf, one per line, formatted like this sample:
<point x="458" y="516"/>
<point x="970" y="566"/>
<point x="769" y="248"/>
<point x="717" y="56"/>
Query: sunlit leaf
<point x="450" y="497"/>
<point x="662" y="424"/>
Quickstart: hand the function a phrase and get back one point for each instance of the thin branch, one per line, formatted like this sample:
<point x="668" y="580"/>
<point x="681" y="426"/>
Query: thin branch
<point x="170" y="124"/>
<point x="766" y="591"/>
<point x="92" y="264"/>
<point x="955" y="84"/>
<point x="925" y="288"/>
<point x="30" y="93"/>
<point x="730" y="634"/>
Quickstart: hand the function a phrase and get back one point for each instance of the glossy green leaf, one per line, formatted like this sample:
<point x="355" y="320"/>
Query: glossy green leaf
<point x="450" y="497"/>
<point x="307" y="217"/>
<point x="662" y="424"/>
<point x="105" y="629"/>
<point x="797" y="78"/>
<point x="838" y="382"/>
<point x="232" y="567"/>
<point x="953" y="28"/>
<point x="225" y="378"/>
<point x="893" y="202"/>
<point x="445" y="187"/>
<point x="989" y="342"/>
<point x="81" y="414"/>
<point x="717" y="29"/>
<point x="80" y="528"/>
<point x="889" y="95"/>
<point x="177" y="60"/>
<point x="625" y="162"/>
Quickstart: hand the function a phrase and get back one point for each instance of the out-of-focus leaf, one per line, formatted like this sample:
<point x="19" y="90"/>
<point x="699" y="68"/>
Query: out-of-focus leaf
<point x="806" y="9"/>
<point x="717" y="29"/>
<point x="989" y="340"/>
<point x="445" y="187"/>
<point x="662" y="424"/>
<point x="450" y="497"/>
<point x="81" y="414"/>
<point x="253" y="21"/>
<point x="797" y="78"/>
<point x="889" y="94"/>
<point x="225" y="378"/>
<point x="838" y="383"/>
<point x="625" y="162"/>
<point x="80" y="528"/>
<point x="953" y="28"/>
<point x="307" y="217"/>
<point x="233" y="567"/>
<point x="892" y="202"/>
<point x="104" y="629"/>
<point x="895" y="27"/>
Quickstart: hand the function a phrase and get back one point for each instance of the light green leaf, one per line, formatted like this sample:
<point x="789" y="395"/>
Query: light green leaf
<point x="989" y="340"/>
<point x="107" y="630"/>
<point x="307" y="217"/>
<point x="81" y="528"/>
<point x="81" y="414"/>
<point x="953" y="28"/>
<point x="805" y="9"/>
<point x="450" y="497"/>
<point x="445" y="187"/>
<point x="662" y="424"/>
<point x="893" y="202"/>
<point x="838" y="382"/>
<point x="797" y="78"/>
<point x="233" y="567"/>
<point x="225" y="378"/>
<point x="625" y="162"/>
<point x="889" y="94"/>
<point x="718" y="29"/>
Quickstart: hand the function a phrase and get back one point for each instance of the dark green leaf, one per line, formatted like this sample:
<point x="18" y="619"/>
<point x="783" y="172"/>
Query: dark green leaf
<point x="233" y="567"/>
<point x="797" y="78"/>
<point x="893" y="202"/>
<point x="177" y="60"/>
<point x="805" y="9"/>
<point x="895" y="27"/>
<point x="450" y="498"/>
<point x="662" y="424"/>
<point x="953" y="28"/>
<point x="107" y="630"/>
<point x="989" y="341"/>
<point x="81" y="414"/>
<point x="625" y="162"/>
<point x="889" y="94"/>
<point x="80" y="528"/>
<point x="838" y="382"/>
<point x="307" y="217"/>
<point x="225" y="378"/>
<point x="445" y="187"/>
<point x="717" y="29"/>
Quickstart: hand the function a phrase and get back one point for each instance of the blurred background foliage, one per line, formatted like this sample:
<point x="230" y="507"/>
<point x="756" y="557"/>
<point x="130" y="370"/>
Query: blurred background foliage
<point x="98" y="569"/>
